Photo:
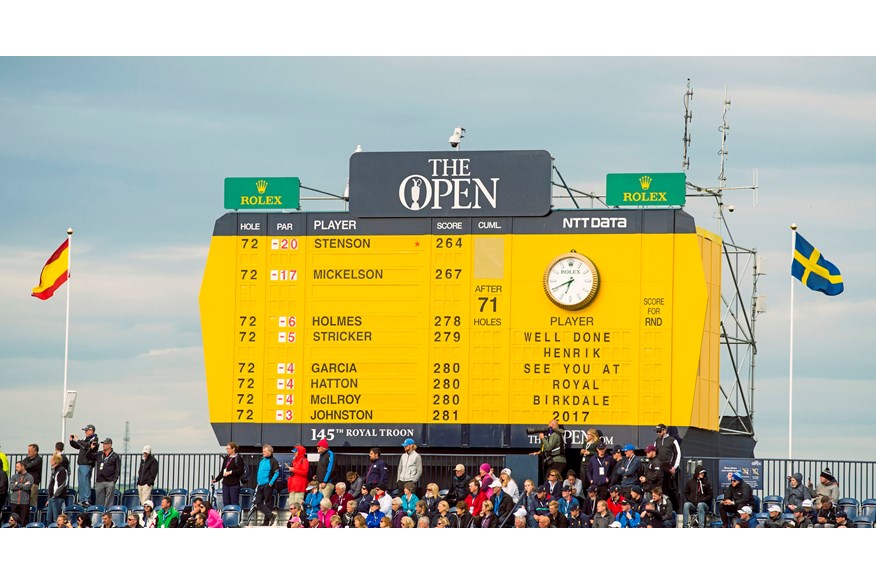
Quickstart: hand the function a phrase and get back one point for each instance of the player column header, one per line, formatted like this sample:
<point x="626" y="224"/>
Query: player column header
<point x="450" y="184"/>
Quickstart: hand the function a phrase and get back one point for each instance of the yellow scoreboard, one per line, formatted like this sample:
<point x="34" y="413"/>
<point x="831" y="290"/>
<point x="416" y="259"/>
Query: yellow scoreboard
<point x="458" y="331"/>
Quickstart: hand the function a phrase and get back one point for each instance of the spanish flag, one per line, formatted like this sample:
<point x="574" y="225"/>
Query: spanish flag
<point x="55" y="273"/>
<point x="813" y="269"/>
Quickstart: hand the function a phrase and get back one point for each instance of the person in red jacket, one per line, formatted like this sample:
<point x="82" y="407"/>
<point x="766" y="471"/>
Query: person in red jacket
<point x="476" y="497"/>
<point x="298" y="475"/>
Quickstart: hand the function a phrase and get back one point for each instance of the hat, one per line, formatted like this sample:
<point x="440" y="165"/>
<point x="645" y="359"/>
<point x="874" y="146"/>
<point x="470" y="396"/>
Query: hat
<point x="149" y="503"/>
<point x="521" y="512"/>
<point x="637" y="489"/>
<point x="615" y="524"/>
<point x="322" y="443"/>
<point x="826" y="474"/>
<point x="617" y="448"/>
<point x="541" y="489"/>
<point x="774" y="509"/>
<point x="650" y="448"/>
<point x="628" y="447"/>
<point x="573" y="504"/>
<point x="460" y="467"/>
<point x="747" y="510"/>
<point x="408" y="442"/>
<point x="313" y="485"/>
<point x="381" y="488"/>
<point x="566" y="488"/>
<point x="807" y="503"/>
<point x="592" y="489"/>
<point x="496" y="484"/>
<point x="106" y="441"/>
<point x="841" y="514"/>
<point x="295" y="519"/>
<point x="88" y="427"/>
<point x="147" y="449"/>
<point x="506" y="471"/>
<point x="374" y="502"/>
<point x="601" y="445"/>
<point x="626" y="502"/>
<point x="660" y="427"/>
<point x="485" y="467"/>
<point x="736" y="477"/>
<point x="614" y="489"/>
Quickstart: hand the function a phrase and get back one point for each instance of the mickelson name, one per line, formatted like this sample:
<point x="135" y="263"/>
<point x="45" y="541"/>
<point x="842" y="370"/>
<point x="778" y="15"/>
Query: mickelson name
<point x="349" y="274"/>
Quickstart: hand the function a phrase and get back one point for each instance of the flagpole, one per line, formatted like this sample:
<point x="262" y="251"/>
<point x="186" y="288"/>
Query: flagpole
<point x="791" y="356"/>
<point x="67" y="332"/>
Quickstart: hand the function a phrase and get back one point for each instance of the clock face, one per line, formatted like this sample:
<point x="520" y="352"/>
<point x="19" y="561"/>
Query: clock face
<point x="571" y="281"/>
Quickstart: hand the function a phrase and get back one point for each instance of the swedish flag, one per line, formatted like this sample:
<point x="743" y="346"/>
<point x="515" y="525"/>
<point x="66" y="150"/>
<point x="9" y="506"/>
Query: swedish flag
<point x="811" y="268"/>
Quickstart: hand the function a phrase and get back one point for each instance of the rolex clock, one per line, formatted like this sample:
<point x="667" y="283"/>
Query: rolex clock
<point x="571" y="281"/>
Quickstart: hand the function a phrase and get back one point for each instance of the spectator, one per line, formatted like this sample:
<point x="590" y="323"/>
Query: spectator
<point x="360" y="522"/>
<point x="663" y="508"/>
<point x="296" y="511"/>
<point x="325" y="469"/>
<point x="57" y="489"/>
<point x="65" y="462"/>
<point x="149" y="518"/>
<point x="502" y="504"/>
<point x="529" y="501"/>
<point x="697" y="495"/>
<point x="147" y="474"/>
<point x="4" y="482"/>
<point x="486" y="518"/>
<point x="312" y="500"/>
<point x="109" y="466"/>
<point x="602" y="518"/>
<point x="4" y="463"/>
<point x="808" y="512"/>
<point x="365" y="499"/>
<point x="422" y="522"/>
<point x="15" y="519"/>
<point x="796" y="492"/>
<point x="553" y="484"/>
<point x="775" y="517"/>
<point x="599" y="471"/>
<point x="213" y="519"/>
<point x="410" y="466"/>
<point x="166" y="517"/>
<point x="588" y="507"/>
<point x="520" y="517"/>
<point x="420" y="511"/>
<point x="85" y="465"/>
<point x="826" y="516"/>
<point x="33" y="464"/>
<point x="476" y="498"/>
<point x="409" y="498"/>
<point x="629" y="470"/>
<point x="375" y="515"/>
<point x="385" y="522"/>
<point x="299" y="470"/>
<point x="637" y="499"/>
<point x="340" y="498"/>
<point x="336" y="522"/>
<point x="63" y="521"/>
<point x="267" y="475"/>
<point x="737" y="495"/>
<point x="229" y="473"/>
<point x="544" y="522"/>
<point x="84" y="521"/>
<point x="746" y="517"/>
<point x="588" y="451"/>
<point x="576" y="519"/>
<point x="443" y="512"/>
<point x="541" y="502"/>
<point x="406" y="522"/>
<point x="827" y="486"/>
<point x="397" y="512"/>
<point x="107" y="521"/>
<point x="669" y="455"/>
<point x="842" y="520"/>
<point x="296" y="523"/>
<point x="652" y="474"/>
<point x="350" y="514"/>
<point x="465" y="519"/>
<point x="649" y="518"/>
<point x="458" y="485"/>
<point x="485" y="474"/>
<point x="19" y="492"/>
<point x="325" y="513"/>
<point x="577" y="487"/>
<point x="509" y="485"/>
<point x="627" y="517"/>
<point x="566" y="499"/>
<point x="553" y="447"/>
<point x="442" y="522"/>
<point x="378" y="472"/>
<point x="615" y="501"/>
<point x="557" y="519"/>
<point x="132" y="521"/>
<point x="617" y="456"/>
<point x="431" y="498"/>
<point x="383" y="498"/>
<point x="355" y="483"/>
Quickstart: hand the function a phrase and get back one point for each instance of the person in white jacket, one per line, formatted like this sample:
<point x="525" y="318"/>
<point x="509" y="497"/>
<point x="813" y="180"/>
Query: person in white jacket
<point x="410" y="466"/>
<point x="509" y="485"/>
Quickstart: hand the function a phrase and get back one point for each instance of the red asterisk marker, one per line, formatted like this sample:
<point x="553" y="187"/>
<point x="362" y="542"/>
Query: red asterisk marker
<point x="417" y="244"/>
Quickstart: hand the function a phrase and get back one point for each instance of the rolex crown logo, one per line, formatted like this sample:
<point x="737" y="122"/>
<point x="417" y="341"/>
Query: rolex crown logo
<point x="262" y="186"/>
<point x="645" y="181"/>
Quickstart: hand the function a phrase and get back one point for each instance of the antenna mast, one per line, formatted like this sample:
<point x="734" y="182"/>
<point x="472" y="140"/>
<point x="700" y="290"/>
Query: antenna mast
<point x="127" y="436"/>
<point x="688" y="118"/>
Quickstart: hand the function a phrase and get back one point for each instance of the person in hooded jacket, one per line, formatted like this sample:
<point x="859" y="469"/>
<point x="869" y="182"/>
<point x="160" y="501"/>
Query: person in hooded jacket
<point x="697" y="495"/>
<point x="297" y="482"/>
<point x="827" y="486"/>
<point x="147" y="474"/>
<point x="796" y="492"/>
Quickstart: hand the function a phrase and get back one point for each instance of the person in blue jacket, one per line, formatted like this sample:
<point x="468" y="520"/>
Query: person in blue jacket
<point x="627" y="517"/>
<point x="312" y="500"/>
<point x="374" y="515"/>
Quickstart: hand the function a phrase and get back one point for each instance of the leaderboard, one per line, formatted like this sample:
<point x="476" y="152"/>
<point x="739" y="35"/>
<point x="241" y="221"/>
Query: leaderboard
<point x="456" y="331"/>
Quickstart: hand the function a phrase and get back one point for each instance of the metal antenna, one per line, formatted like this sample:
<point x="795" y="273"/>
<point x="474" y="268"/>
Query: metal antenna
<point x="688" y="118"/>
<point x="127" y="436"/>
<point x="724" y="128"/>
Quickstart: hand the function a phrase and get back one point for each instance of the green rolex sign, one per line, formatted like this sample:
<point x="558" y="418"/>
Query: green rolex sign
<point x="262" y="193"/>
<point x="656" y="189"/>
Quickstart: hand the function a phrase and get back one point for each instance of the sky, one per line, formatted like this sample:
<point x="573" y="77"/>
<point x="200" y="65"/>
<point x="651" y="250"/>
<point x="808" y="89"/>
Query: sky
<point x="131" y="153"/>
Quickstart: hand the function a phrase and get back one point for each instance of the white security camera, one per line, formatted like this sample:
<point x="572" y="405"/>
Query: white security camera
<point x="731" y="208"/>
<point x="456" y="137"/>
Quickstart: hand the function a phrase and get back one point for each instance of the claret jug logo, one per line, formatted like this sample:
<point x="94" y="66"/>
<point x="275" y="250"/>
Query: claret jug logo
<point x="261" y="186"/>
<point x="450" y="185"/>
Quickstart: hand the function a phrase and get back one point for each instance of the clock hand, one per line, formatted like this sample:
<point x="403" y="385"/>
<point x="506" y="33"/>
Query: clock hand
<point x="569" y="283"/>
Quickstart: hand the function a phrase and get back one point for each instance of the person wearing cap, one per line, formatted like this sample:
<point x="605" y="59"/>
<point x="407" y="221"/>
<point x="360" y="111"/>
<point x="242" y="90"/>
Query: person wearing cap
<point x="615" y="500"/>
<point x="737" y="495"/>
<point x="509" y="485"/>
<point x="588" y="505"/>
<point x="637" y="499"/>
<point x="697" y="496"/>
<point x="312" y="500"/>
<point x="410" y="465"/>
<point x="520" y="519"/>
<point x="503" y="504"/>
<point x="384" y="499"/>
<point x="652" y="472"/>
<point x="774" y="519"/>
<point x="108" y="467"/>
<point x="553" y="447"/>
<point x="827" y="486"/>
<point x="374" y="514"/>
<point x="842" y="520"/>
<point x="19" y="491"/>
<point x="746" y="517"/>
<point x="566" y="499"/>
<point x="669" y="455"/>
<point x="378" y="472"/>
<point x="600" y="469"/>
<point x="577" y="520"/>
<point x="147" y="474"/>
<point x="33" y="464"/>
<point x="628" y="518"/>
<point x="148" y="518"/>
<point x="299" y="470"/>
<point x="57" y="490"/>
<point x="85" y="465"/>
<point x="325" y="469"/>
<point x="802" y="515"/>
<point x="629" y="469"/>
<point x="542" y="499"/>
<point x="617" y="455"/>
<point x="796" y="492"/>
<point x="458" y="485"/>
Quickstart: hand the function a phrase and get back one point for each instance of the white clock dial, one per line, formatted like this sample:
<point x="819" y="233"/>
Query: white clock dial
<point x="571" y="281"/>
